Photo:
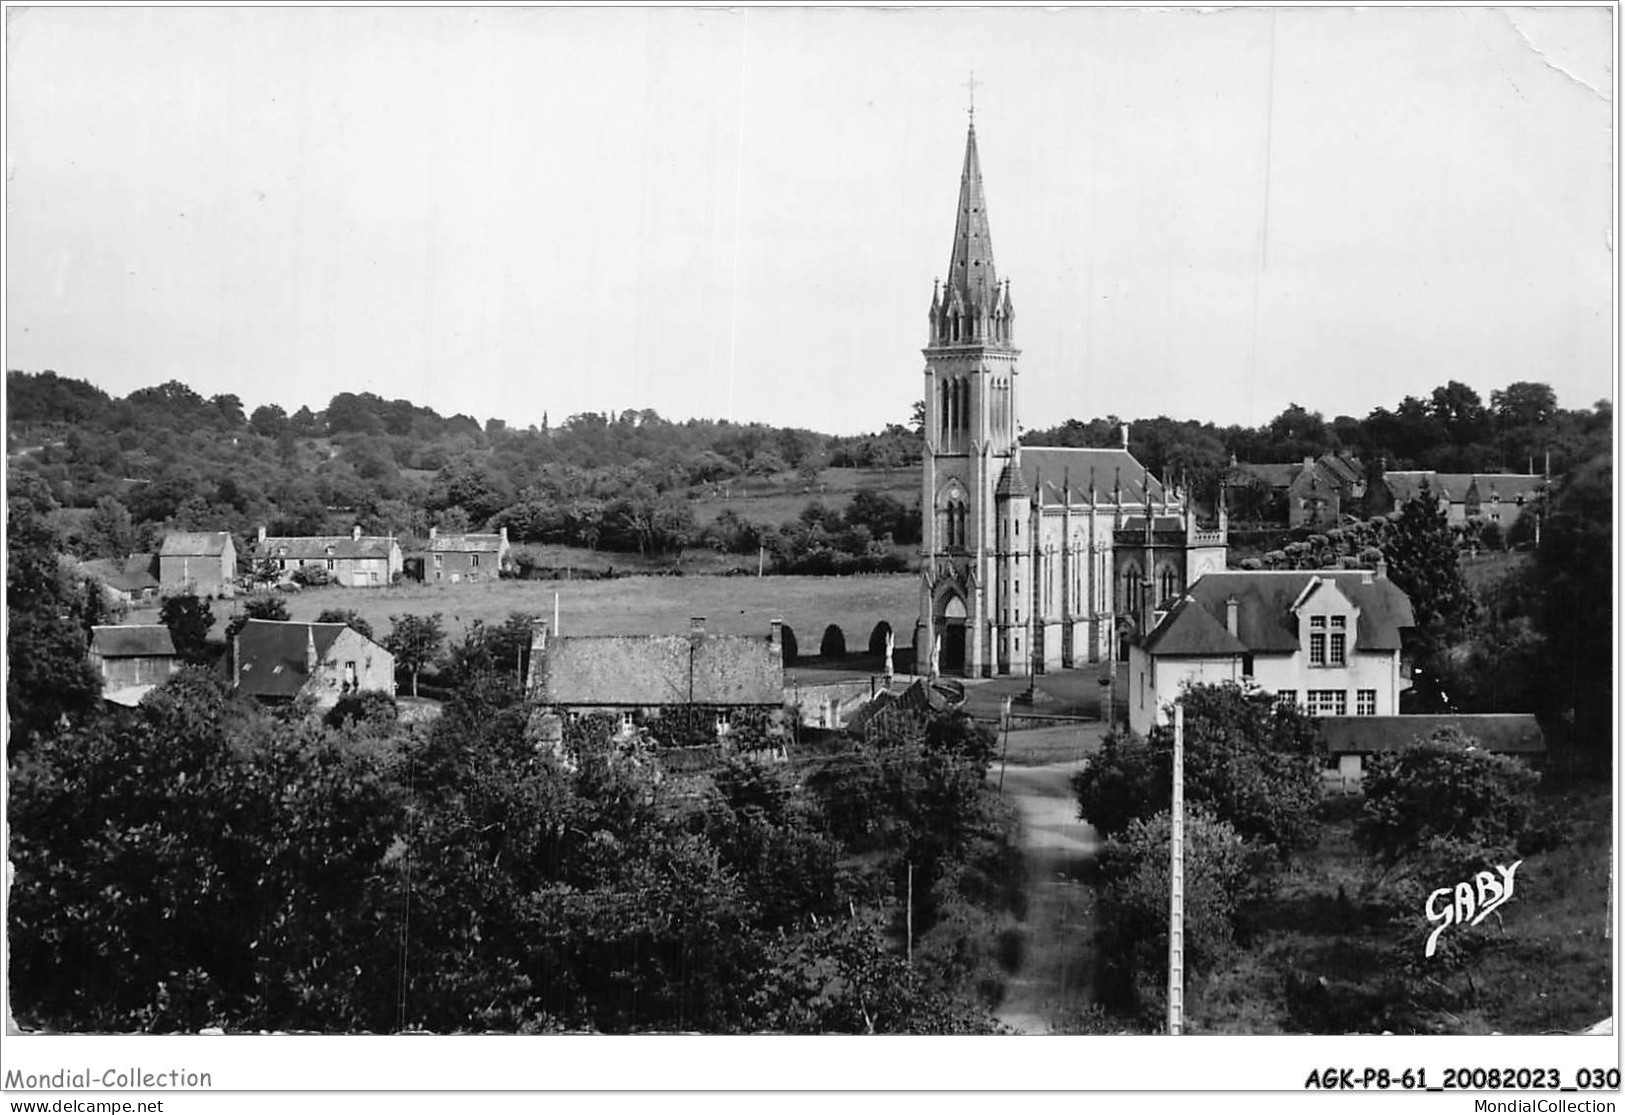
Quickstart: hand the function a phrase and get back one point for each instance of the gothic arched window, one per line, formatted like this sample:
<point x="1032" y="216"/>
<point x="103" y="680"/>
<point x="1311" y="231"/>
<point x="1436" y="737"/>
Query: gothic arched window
<point x="1167" y="585"/>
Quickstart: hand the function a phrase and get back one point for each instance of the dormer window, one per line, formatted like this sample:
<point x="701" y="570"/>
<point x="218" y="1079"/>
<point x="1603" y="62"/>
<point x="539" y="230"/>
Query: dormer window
<point x="1317" y="640"/>
<point x="1340" y="641"/>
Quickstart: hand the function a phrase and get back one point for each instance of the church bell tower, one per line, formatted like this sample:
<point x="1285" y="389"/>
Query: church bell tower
<point x="970" y="446"/>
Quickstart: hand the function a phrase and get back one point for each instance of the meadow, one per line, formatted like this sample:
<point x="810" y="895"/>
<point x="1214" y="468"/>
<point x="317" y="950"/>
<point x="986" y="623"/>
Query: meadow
<point x="641" y="605"/>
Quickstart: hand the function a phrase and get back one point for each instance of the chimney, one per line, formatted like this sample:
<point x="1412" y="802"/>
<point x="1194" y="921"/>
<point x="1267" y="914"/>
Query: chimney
<point x="1382" y="569"/>
<point x="1124" y="429"/>
<point x="355" y="533"/>
<point x="776" y="632"/>
<point x="310" y="651"/>
<point x="1231" y="621"/>
<point x="696" y="625"/>
<point x="262" y="532"/>
<point x="503" y="533"/>
<point x="1308" y="462"/>
<point x="433" y="532"/>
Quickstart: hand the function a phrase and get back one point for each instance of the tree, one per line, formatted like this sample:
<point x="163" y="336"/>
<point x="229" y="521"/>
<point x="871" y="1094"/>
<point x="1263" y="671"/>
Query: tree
<point x="347" y="616"/>
<point x="269" y="420"/>
<point x="1223" y="873"/>
<point x="1249" y="758"/>
<point x="415" y="642"/>
<point x="1445" y="795"/>
<point x="1424" y="562"/>
<point x="1574" y="570"/>
<point x="110" y="530"/>
<point x="256" y="607"/>
<point x="50" y="677"/>
<point x="189" y="619"/>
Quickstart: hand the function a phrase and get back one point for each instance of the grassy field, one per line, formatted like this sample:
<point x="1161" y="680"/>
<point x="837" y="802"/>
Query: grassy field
<point x="781" y="498"/>
<point x="642" y="605"/>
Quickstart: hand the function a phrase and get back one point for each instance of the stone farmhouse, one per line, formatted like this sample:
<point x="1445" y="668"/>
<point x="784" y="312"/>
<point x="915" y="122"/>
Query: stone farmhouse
<point x="133" y="581"/>
<point x="280" y="661"/>
<point x="353" y="560"/>
<point x="132" y="660"/>
<point x="1032" y="559"/>
<point x="1491" y="497"/>
<point x="1317" y="492"/>
<point x="463" y="557"/>
<point x="204" y="563"/>
<point x="1328" y="640"/>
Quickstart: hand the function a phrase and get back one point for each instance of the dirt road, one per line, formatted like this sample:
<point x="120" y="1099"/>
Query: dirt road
<point x="1054" y="979"/>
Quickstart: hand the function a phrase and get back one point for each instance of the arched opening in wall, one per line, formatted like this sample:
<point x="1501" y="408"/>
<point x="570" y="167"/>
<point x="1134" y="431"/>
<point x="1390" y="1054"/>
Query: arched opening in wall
<point x="951" y="627"/>
<point x="878" y="637"/>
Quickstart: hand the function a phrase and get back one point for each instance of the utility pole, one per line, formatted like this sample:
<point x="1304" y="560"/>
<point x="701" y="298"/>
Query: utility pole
<point x="1176" y="878"/>
<point x="911" y="912"/>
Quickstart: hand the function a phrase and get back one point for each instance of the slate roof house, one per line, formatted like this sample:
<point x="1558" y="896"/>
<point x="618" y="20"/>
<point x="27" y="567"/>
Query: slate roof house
<point x="1328" y="640"/>
<point x="686" y="687"/>
<point x="279" y="661"/>
<point x="1349" y="739"/>
<point x="1497" y="497"/>
<point x="131" y="581"/>
<point x="132" y="659"/>
<point x="201" y="562"/>
<point x="353" y="560"/>
<point x="464" y="557"/>
<point x="1317" y="492"/>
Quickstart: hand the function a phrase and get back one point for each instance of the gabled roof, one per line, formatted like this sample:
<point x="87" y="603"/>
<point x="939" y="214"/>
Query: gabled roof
<point x="1189" y="629"/>
<point x="1349" y="470"/>
<point x="1078" y="469"/>
<point x="325" y="546"/>
<point x="1276" y="475"/>
<point x="464" y="544"/>
<point x="137" y="573"/>
<point x="1508" y="486"/>
<point x="1264" y="599"/>
<point x="271" y="654"/>
<point x="1450" y="487"/>
<point x="1511" y="733"/>
<point x="144" y="640"/>
<point x="194" y="544"/>
<point x="651" y="670"/>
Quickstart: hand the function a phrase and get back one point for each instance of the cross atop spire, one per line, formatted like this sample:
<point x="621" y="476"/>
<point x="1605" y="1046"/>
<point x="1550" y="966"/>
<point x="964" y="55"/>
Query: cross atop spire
<point x="971" y="85"/>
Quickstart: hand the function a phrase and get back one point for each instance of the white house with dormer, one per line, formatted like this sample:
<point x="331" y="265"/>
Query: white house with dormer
<point x="1328" y="640"/>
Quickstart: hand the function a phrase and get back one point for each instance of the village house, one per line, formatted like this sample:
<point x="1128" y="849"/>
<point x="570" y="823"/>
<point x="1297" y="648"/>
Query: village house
<point x="1464" y="497"/>
<point x="1316" y="492"/>
<point x="204" y="563"/>
<point x="1326" y="640"/>
<point x="280" y="661"/>
<point x="464" y="557"/>
<point x="132" y="660"/>
<point x="353" y="560"/>
<point x="701" y="683"/>
<point x="128" y="583"/>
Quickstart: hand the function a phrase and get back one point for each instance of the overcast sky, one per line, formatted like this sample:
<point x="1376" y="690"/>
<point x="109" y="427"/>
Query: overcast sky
<point x="740" y="213"/>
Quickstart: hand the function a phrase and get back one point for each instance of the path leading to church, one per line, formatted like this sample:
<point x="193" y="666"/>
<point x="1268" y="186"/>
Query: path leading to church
<point x="1055" y="977"/>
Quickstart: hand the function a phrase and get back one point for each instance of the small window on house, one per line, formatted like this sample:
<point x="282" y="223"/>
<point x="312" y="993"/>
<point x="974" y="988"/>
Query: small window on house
<point x="1288" y="697"/>
<point x="1247" y="665"/>
<point x="1365" y="702"/>
<point x="439" y="560"/>
<point x="473" y="561"/>
<point x="1339" y="649"/>
<point x="1317" y="648"/>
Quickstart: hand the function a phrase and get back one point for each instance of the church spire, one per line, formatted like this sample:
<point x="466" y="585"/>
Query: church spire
<point x="970" y="268"/>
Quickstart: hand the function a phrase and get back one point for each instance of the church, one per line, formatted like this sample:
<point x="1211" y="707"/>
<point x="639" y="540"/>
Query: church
<point x="1032" y="559"/>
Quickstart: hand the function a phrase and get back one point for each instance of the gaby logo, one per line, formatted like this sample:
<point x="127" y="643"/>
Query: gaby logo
<point x="1468" y="903"/>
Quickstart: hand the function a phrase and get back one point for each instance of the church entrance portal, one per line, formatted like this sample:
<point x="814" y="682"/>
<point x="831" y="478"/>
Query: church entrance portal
<point x="952" y="626"/>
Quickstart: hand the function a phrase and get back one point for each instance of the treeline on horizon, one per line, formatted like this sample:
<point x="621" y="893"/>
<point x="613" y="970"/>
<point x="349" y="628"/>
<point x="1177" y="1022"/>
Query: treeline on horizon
<point x="168" y="458"/>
